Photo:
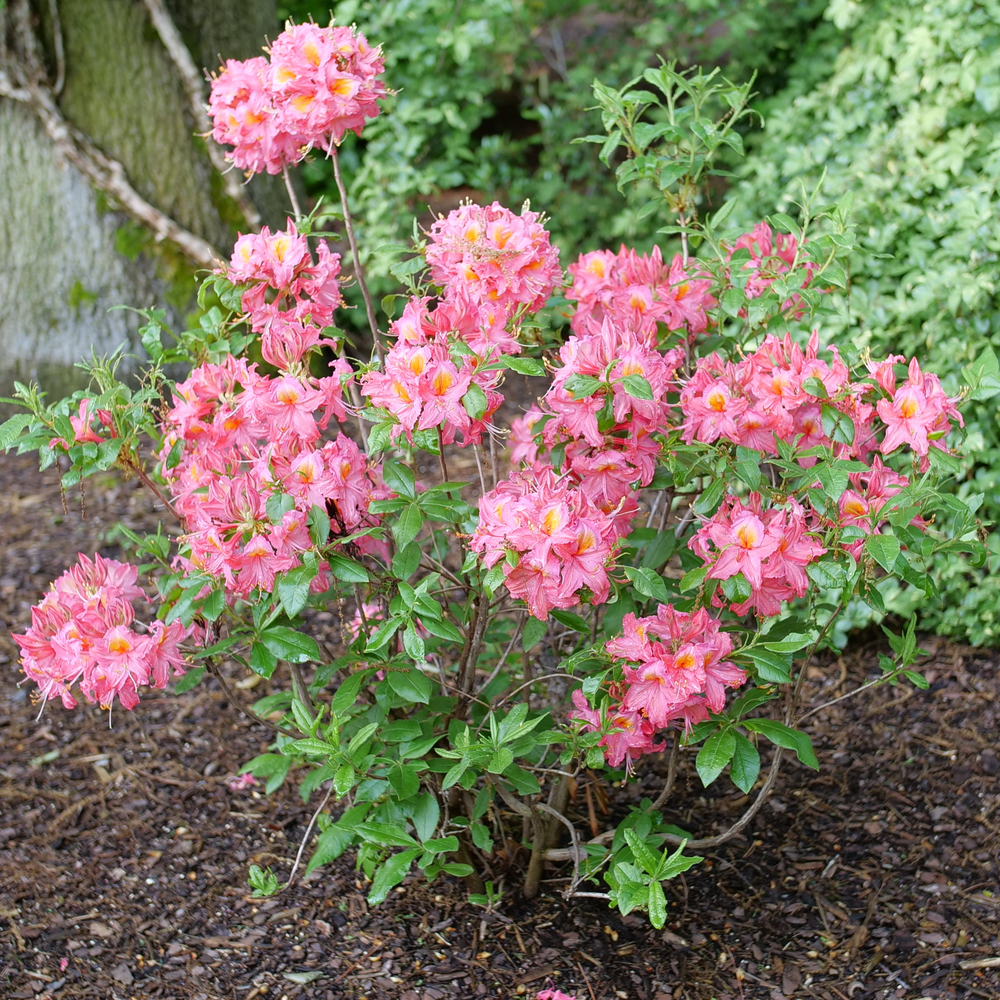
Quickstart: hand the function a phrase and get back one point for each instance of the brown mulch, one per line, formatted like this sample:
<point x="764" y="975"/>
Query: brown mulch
<point x="123" y="852"/>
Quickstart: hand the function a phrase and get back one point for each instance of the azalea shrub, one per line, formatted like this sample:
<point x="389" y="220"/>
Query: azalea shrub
<point x="671" y="532"/>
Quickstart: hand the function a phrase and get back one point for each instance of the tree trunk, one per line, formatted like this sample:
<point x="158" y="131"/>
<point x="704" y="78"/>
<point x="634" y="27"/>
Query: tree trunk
<point x="71" y="253"/>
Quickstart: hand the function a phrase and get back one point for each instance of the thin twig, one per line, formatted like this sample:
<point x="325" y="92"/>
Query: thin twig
<point x="237" y="704"/>
<point x="292" y="197"/>
<point x="543" y="677"/>
<point x="305" y="839"/>
<point x="671" y="771"/>
<point x="772" y="776"/>
<point x="359" y="271"/>
<point x="57" y="44"/>
<point x="444" y="464"/>
<point x="155" y="490"/>
<point x="479" y="467"/>
<point x="850" y="694"/>
<point x="573" y="839"/>
<point x="503" y="659"/>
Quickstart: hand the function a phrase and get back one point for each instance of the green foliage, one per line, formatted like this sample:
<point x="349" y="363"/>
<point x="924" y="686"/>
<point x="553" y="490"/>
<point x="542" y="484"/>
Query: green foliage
<point x="906" y="118"/>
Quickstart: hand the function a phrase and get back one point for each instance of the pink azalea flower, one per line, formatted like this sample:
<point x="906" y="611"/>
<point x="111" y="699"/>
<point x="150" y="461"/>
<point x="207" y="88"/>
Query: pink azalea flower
<point x="491" y="255"/>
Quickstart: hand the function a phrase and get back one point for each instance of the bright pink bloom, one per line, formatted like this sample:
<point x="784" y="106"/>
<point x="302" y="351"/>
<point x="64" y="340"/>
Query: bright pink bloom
<point x="637" y="293"/>
<point x="81" y="634"/>
<point x="319" y="84"/>
<point x="919" y="413"/>
<point x="771" y="548"/>
<point x="564" y="543"/>
<point x="490" y="255"/>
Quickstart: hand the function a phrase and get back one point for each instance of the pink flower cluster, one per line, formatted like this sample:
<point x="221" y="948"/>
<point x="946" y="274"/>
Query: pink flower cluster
<point x="489" y="255"/>
<point x="555" y="543"/>
<point x="638" y="292"/>
<point x="424" y="385"/>
<point x="776" y="392"/>
<point x="770" y="547"/>
<point x="289" y="298"/>
<point x="771" y="256"/>
<point x="81" y="633"/>
<point x="918" y="412"/>
<point x="247" y="439"/>
<point x="319" y="84"/>
<point x="86" y="426"/>
<point x="861" y="505"/>
<point x="674" y="668"/>
<point x="609" y="438"/>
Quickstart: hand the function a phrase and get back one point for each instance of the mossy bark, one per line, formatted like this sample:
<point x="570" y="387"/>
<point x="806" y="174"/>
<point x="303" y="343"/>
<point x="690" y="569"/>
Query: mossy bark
<point x="69" y="257"/>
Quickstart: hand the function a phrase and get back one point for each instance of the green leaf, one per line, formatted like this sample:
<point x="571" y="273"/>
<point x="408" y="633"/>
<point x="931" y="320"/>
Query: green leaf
<point x="523" y="365"/>
<point x="262" y="661"/>
<point x="646" y="857"/>
<point x="391" y="873"/>
<point x="731" y="301"/>
<point x="399" y="478"/>
<point x="343" y="780"/>
<point x="408" y="526"/>
<point x="676" y="863"/>
<point x="770" y="667"/>
<point x="10" y="430"/>
<point x="637" y="386"/>
<point x="346" y="569"/>
<point x="837" y="426"/>
<point x="532" y="634"/>
<point x="425" y="816"/>
<point x="793" y="642"/>
<point x="647" y="583"/>
<point x="412" y="686"/>
<point x="711" y="497"/>
<point x="406" y="560"/>
<point x="413" y="643"/>
<point x="189" y="680"/>
<point x="833" y="479"/>
<point x="475" y="401"/>
<point x="386" y="835"/>
<point x="745" y="765"/>
<point x="884" y="549"/>
<point x="347" y="694"/>
<point x="502" y="759"/>
<point x="657" y="905"/>
<point x="404" y="779"/>
<point x="749" y="472"/>
<point x="570" y="620"/>
<point x="693" y="579"/>
<point x="814" y="387"/>
<point x="582" y="386"/>
<point x="293" y="588"/>
<point x="278" y="505"/>
<point x="481" y="837"/>
<point x="715" y="755"/>
<point x="290" y="645"/>
<point x="782" y="736"/>
<point x="319" y="525"/>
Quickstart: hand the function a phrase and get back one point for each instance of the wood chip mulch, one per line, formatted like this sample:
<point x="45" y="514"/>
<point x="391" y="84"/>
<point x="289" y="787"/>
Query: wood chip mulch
<point x="123" y="851"/>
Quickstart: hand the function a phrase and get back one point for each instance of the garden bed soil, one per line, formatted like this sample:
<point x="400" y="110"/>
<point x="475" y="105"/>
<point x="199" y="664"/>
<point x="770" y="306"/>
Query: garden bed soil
<point x="124" y="853"/>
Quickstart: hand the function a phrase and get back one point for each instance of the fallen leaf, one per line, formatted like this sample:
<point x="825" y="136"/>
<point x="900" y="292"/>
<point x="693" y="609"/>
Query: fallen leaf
<point x="122" y="973"/>
<point x="302" y="977"/>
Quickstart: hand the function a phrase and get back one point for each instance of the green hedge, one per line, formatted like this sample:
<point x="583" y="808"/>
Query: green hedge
<point x="907" y="116"/>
